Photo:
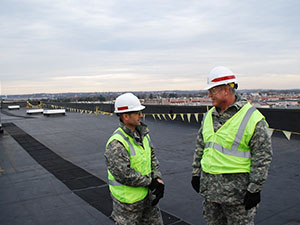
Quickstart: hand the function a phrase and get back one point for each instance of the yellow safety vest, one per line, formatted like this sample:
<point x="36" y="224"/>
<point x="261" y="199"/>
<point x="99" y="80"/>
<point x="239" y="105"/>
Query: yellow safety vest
<point x="227" y="149"/>
<point x="140" y="161"/>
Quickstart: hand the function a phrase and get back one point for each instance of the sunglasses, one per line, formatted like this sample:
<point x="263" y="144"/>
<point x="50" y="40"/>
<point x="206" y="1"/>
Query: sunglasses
<point x="215" y="90"/>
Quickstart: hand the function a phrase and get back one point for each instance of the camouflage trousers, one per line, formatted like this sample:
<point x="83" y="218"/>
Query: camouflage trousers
<point x="138" y="213"/>
<point x="221" y="214"/>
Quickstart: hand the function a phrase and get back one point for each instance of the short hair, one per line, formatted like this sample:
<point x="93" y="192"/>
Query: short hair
<point x="232" y="87"/>
<point x="120" y="116"/>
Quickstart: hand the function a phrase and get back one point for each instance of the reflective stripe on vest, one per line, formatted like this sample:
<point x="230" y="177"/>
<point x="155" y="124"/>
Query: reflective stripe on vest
<point x="131" y="148"/>
<point x="242" y="128"/>
<point x="233" y="151"/>
<point x="148" y="138"/>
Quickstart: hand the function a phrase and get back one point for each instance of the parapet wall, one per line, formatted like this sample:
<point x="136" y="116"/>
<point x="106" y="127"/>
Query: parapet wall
<point x="282" y="119"/>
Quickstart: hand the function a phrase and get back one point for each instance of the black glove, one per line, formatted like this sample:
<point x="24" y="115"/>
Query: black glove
<point x="251" y="200"/>
<point x="196" y="183"/>
<point x="159" y="193"/>
<point x="154" y="184"/>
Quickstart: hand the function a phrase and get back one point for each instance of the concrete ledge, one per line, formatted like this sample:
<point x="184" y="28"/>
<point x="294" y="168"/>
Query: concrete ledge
<point x="34" y="111"/>
<point x="54" y="112"/>
<point x="12" y="107"/>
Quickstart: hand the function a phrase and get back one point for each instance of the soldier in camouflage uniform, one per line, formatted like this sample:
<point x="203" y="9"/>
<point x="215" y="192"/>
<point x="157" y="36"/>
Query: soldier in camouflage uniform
<point x="135" y="183"/>
<point x="231" y="190"/>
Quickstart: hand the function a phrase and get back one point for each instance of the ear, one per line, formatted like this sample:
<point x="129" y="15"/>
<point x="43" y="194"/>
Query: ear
<point x="125" y="117"/>
<point x="227" y="89"/>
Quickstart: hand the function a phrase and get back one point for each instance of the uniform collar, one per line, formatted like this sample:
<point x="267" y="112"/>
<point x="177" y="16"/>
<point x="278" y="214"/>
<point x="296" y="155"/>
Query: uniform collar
<point x="141" y="130"/>
<point x="236" y="106"/>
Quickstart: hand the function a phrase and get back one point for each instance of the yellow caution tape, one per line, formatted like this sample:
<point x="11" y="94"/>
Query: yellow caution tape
<point x="172" y="116"/>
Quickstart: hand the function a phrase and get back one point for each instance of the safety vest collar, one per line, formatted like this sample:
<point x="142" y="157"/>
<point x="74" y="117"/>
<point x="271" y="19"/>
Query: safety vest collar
<point x="142" y="129"/>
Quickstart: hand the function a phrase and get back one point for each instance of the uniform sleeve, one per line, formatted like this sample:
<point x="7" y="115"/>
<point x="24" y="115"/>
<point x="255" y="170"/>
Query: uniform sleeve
<point x="118" y="163"/>
<point x="196" y="165"/>
<point x="154" y="163"/>
<point x="261" y="156"/>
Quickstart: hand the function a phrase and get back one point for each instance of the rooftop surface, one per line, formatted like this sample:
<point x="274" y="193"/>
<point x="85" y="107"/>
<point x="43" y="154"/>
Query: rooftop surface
<point x="53" y="171"/>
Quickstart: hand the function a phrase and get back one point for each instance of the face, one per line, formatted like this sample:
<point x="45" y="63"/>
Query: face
<point x="132" y="119"/>
<point x="218" y="95"/>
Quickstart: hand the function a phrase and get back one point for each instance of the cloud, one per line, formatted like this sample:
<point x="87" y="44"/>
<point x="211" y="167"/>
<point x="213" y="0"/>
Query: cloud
<point x="290" y="81"/>
<point x="58" y="43"/>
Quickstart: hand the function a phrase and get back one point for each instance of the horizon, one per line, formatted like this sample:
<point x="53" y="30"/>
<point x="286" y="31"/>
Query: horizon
<point x="100" y="92"/>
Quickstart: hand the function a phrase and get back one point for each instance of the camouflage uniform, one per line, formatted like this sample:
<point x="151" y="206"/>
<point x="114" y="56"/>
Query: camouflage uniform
<point x="224" y="193"/>
<point x="118" y="163"/>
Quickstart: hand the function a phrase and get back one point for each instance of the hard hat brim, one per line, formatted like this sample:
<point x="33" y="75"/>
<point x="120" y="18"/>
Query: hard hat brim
<point x="211" y="85"/>
<point x="135" y="109"/>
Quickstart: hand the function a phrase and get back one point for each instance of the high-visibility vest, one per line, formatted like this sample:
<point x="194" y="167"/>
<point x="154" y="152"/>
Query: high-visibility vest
<point x="227" y="150"/>
<point x="140" y="161"/>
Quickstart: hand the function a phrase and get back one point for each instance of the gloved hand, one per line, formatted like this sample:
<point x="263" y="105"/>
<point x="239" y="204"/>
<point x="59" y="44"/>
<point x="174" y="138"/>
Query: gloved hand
<point x="251" y="200"/>
<point x="154" y="184"/>
<point x="159" y="193"/>
<point x="196" y="183"/>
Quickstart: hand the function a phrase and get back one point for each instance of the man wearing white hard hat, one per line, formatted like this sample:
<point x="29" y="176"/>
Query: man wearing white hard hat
<point x="233" y="154"/>
<point x="133" y="170"/>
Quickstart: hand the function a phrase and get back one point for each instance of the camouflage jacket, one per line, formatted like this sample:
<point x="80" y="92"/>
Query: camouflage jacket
<point x="231" y="188"/>
<point x="118" y="161"/>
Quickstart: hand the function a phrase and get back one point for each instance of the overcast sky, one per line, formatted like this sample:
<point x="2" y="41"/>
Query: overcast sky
<point x="146" y="45"/>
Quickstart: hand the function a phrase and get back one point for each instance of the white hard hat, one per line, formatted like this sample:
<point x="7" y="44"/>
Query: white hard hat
<point x="220" y="75"/>
<point x="127" y="102"/>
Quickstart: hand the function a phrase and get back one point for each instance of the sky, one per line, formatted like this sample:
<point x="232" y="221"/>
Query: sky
<point x="55" y="46"/>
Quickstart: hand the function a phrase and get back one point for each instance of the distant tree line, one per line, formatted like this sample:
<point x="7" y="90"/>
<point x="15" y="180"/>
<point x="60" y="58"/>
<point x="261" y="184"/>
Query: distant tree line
<point x="82" y="99"/>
